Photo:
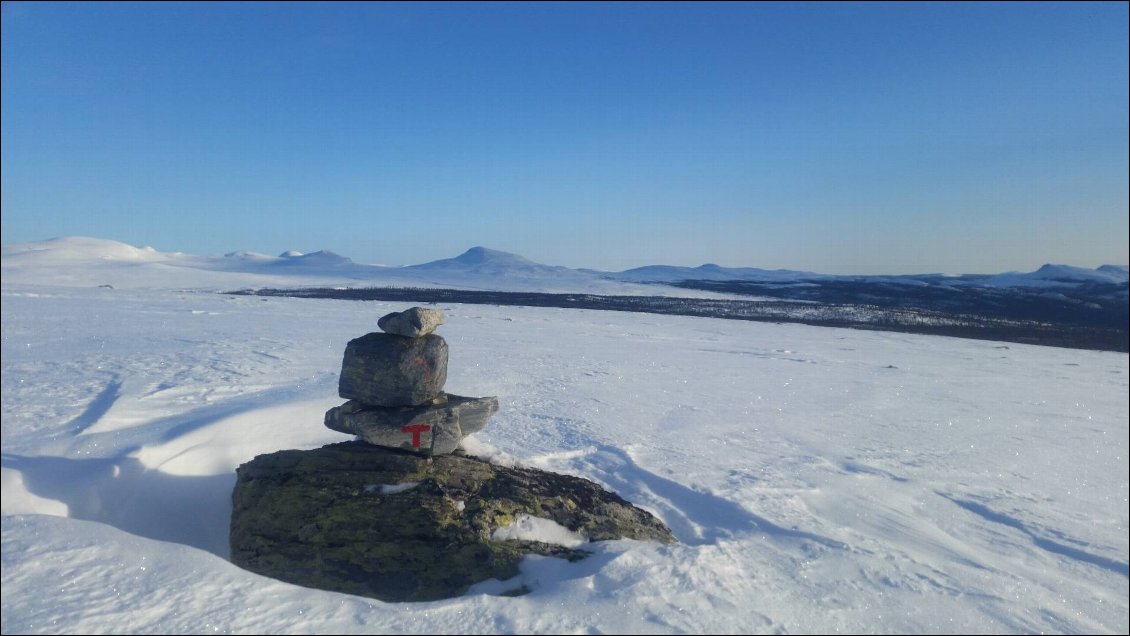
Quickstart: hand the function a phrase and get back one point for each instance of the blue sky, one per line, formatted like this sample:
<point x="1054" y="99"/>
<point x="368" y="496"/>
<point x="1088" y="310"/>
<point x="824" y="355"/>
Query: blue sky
<point x="838" y="138"/>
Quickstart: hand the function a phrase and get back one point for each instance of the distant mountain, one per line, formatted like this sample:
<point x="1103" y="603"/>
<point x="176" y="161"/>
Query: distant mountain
<point x="289" y="258"/>
<point x="484" y="261"/>
<point x="79" y="248"/>
<point x="1046" y="276"/>
<point x="1056" y="275"/>
<point x="1122" y="271"/>
<point x="321" y="258"/>
<point x="84" y="261"/>
<point x="90" y="262"/>
<point x="245" y="255"/>
<point x="78" y="259"/>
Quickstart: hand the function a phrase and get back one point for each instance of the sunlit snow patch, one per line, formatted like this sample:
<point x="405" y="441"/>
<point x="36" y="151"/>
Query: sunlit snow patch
<point x="18" y="500"/>
<point x="391" y="489"/>
<point x="530" y="528"/>
<point x="484" y="450"/>
<point x="254" y="427"/>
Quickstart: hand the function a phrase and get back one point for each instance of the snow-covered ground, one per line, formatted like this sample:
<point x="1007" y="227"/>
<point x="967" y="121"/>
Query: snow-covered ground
<point x="819" y="480"/>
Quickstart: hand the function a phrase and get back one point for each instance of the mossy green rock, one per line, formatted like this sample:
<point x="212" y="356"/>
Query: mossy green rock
<point x="332" y="518"/>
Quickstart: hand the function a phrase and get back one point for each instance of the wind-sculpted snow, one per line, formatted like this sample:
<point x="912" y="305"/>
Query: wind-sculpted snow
<point x="818" y="479"/>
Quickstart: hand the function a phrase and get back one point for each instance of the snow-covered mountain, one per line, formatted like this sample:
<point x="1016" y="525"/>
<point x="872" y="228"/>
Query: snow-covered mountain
<point x="71" y="249"/>
<point x="478" y="267"/>
<point x="482" y="257"/>
<point x="293" y="261"/>
<point x="90" y="262"/>
<point x="488" y="262"/>
<point x="1045" y="276"/>
<point x="321" y="258"/>
<point x="1054" y="275"/>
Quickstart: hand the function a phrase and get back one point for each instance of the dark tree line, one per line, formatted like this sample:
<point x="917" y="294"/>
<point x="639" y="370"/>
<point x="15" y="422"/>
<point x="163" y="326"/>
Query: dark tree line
<point x="964" y="320"/>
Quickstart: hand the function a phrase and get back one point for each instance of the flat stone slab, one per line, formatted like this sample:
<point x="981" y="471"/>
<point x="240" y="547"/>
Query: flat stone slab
<point x="396" y="526"/>
<point x="386" y="370"/>
<point x="430" y="429"/>
<point x="412" y="323"/>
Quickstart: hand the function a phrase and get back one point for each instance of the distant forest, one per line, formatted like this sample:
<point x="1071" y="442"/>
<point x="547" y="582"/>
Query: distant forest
<point x="1092" y="317"/>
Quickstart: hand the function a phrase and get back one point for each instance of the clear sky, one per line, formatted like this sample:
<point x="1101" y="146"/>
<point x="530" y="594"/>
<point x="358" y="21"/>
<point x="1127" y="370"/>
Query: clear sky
<point x="837" y="138"/>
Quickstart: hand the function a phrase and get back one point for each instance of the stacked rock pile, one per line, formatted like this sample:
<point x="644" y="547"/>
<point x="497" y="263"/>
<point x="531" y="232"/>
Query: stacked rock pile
<point x="397" y="515"/>
<point x="394" y="383"/>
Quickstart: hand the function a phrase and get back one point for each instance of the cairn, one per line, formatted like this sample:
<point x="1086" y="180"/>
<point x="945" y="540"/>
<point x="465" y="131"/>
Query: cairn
<point x="397" y="515"/>
<point x="394" y="383"/>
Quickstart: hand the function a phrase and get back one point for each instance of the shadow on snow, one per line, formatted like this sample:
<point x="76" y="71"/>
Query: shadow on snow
<point x="124" y="493"/>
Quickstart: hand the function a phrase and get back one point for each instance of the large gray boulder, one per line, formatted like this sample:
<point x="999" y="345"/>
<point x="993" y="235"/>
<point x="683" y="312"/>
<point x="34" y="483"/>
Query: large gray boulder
<point x="397" y="526"/>
<point x="413" y="323"/>
<point x="386" y="370"/>
<point x="429" y="429"/>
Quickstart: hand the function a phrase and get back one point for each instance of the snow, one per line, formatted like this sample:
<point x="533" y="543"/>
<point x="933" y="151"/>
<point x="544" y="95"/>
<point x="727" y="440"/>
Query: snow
<point x="818" y="480"/>
<point x="392" y="489"/>
<point x="530" y="528"/>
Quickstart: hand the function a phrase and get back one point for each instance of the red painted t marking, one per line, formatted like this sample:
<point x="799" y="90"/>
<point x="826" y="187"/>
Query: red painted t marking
<point x="415" y="430"/>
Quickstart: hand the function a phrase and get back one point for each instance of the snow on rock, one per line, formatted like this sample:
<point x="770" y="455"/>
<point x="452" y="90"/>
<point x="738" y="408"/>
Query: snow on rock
<point x="391" y="489"/>
<point x="530" y="528"/>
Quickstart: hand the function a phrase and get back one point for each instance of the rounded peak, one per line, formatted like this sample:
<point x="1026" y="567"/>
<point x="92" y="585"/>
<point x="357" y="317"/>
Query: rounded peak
<point x="479" y="254"/>
<point x="247" y="255"/>
<point x="323" y="254"/>
<point x="321" y="257"/>
<point x="69" y="248"/>
<point x="1052" y="270"/>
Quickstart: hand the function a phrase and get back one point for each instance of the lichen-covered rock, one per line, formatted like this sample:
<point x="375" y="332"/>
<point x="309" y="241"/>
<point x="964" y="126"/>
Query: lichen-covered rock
<point x="429" y="429"/>
<point x="413" y="323"/>
<point x="356" y="518"/>
<point x="386" y="370"/>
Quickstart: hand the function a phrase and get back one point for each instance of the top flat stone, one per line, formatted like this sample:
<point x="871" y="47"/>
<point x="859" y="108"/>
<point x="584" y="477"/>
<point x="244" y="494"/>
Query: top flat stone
<point x="413" y="323"/>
